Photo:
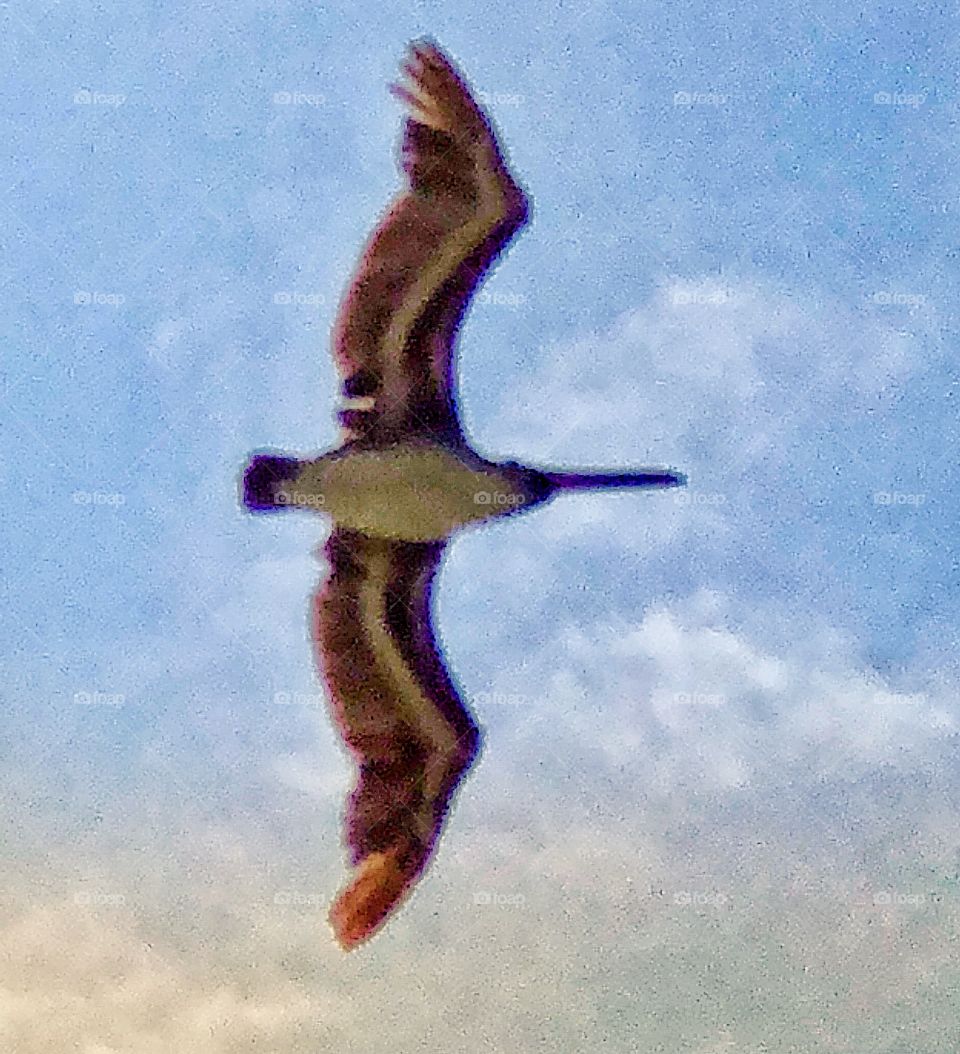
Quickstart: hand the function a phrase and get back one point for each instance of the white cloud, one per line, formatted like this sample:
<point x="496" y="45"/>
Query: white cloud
<point x="741" y="362"/>
<point x="685" y="697"/>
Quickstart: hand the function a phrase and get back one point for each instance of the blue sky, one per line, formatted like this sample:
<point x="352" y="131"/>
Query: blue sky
<point x="716" y="808"/>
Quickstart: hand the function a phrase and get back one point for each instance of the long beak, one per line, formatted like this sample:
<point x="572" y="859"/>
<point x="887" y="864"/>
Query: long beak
<point x="658" y="478"/>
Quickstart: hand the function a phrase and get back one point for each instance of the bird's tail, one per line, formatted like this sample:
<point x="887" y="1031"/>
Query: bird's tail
<point x="261" y="479"/>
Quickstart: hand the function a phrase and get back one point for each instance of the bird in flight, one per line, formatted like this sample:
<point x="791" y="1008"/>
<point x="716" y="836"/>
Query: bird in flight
<point x="403" y="479"/>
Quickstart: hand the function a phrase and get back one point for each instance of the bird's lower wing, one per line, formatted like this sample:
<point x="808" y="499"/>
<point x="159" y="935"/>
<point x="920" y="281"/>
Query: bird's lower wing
<point x="393" y="339"/>
<point x="398" y="712"/>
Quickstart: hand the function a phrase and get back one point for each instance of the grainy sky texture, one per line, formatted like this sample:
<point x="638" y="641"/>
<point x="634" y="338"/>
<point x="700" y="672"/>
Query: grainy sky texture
<point x="717" y="811"/>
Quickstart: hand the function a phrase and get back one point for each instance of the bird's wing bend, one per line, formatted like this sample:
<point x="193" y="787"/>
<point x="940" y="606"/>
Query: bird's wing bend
<point x="394" y="334"/>
<point x="398" y="712"/>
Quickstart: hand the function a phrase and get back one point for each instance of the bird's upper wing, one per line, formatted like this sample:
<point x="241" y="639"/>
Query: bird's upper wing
<point x="397" y="324"/>
<point x="398" y="712"/>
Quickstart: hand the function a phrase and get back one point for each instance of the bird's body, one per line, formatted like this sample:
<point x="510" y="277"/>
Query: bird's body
<point x="414" y="491"/>
<point x="402" y="481"/>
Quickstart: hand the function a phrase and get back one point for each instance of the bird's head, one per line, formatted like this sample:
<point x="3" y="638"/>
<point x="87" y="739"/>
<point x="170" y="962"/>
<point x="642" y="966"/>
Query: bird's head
<point x="534" y="485"/>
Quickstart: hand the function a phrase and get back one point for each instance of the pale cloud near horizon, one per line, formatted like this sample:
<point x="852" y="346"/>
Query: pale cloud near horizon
<point x="543" y="868"/>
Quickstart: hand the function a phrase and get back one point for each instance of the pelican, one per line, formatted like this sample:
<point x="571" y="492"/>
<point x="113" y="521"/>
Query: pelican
<point x="404" y="479"/>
